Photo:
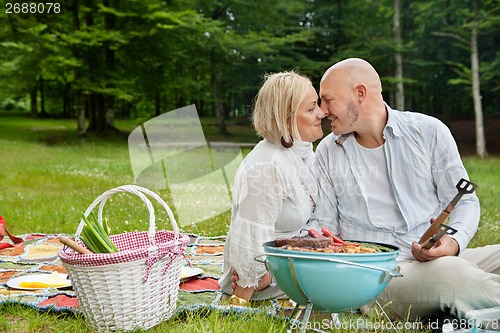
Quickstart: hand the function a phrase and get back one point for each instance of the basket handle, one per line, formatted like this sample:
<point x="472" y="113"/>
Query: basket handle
<point x="138" y="191"/>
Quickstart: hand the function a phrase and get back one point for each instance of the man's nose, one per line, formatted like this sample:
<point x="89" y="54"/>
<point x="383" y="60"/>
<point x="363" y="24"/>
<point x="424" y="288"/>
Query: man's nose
<point x="324" y="108"/>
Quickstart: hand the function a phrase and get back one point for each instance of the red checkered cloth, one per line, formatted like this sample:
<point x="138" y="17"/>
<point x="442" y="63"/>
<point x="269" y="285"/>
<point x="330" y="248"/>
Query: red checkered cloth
<point x="200" y="284"/>
<point x="132" y="246"/>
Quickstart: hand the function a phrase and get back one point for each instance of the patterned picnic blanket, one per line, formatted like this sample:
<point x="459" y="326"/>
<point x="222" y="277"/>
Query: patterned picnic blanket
<point x="38" y="254"/>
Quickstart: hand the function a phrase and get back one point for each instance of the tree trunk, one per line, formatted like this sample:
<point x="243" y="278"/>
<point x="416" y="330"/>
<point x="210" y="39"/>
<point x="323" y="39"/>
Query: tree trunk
<point x="66" y="100"/>
<point x="109" y="115"/>
<point x="79" y="106"/>
<point x="108" y="118"/>
<point x="92" y="106"/>
<point x="42" y="99"/>
<point x="217" y="102"/>
<point x="91" y="59"/>
<point x="157" y="104"/>
<point x="80" y="110"/>
<point x="476" y="92"/>
<point x="407" y="26"/>
<point x="33" y="104"/>
<point x="446" y="105"/>
<point x="398" y="57"/>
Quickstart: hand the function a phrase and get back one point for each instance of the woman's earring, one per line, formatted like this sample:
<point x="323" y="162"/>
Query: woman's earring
<point x="286" y="144"/>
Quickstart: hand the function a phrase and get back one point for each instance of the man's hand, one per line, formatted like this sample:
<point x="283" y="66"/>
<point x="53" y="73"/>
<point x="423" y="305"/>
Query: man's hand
<point x="446" y="246"/>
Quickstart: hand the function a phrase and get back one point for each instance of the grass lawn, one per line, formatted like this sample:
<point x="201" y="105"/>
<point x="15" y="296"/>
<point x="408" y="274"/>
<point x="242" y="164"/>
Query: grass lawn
<point x="49" y="177"/>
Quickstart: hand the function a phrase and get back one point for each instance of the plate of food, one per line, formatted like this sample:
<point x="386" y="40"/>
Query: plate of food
<point x="40" y="281"/>
<point x="188" y="272"/>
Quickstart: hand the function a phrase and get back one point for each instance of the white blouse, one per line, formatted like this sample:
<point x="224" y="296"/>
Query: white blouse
<point x="273" y="196"/>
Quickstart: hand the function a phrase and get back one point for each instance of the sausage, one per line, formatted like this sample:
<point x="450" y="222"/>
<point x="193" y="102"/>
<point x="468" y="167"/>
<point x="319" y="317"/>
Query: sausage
<point x="328" y="233"/>
<point x="315" y="233"/>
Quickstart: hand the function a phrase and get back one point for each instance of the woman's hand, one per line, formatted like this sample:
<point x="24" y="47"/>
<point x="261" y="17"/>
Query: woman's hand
<point x="246" y="293"/>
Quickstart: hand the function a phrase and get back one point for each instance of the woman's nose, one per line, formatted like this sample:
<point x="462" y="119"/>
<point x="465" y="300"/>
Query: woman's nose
<point x="324" y="112"/>
<point x="321" y="113"/>
<point x="324" y="109"/>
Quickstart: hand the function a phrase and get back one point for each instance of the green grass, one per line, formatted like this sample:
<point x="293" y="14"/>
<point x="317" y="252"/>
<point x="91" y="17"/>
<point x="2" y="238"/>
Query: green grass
<point x="21" y="319"/>
<point x="486" y="173"/>
<point x="48" y="177"/>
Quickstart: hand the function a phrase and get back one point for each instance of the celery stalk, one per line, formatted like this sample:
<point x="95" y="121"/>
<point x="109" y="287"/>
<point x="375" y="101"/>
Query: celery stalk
<point x="96" y="236"/>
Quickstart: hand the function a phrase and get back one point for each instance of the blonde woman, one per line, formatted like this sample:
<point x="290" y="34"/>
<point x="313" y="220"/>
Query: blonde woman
<point x="274" y="191"/>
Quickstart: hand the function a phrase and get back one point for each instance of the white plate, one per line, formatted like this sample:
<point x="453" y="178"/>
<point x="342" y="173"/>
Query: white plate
<point x="187" y="272"/>
<point x="15" y="282"/>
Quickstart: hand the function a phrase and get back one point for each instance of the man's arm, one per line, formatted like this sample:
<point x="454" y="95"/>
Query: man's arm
<point x="447" y="170"/>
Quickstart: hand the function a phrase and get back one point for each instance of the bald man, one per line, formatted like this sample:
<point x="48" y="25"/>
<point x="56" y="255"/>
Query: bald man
<point x="383" y="175"/>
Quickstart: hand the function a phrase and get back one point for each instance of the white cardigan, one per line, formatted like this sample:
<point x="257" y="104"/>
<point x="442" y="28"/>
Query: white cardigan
<point x="274" y="196"/>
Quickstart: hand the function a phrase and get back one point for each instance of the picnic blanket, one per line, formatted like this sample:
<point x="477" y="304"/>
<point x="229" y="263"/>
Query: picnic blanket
<point x="38" y="254"/>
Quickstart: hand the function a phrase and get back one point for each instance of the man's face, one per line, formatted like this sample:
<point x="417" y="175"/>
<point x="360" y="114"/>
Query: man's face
<point x="337" y="101"/>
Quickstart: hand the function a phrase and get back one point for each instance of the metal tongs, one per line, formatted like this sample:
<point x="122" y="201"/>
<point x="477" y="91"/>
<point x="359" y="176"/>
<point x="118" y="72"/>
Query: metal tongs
<point x="438" y="228"/>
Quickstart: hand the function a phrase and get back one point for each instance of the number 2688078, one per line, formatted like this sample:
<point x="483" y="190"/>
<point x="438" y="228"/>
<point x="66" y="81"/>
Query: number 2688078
<point x="32" y="8"/>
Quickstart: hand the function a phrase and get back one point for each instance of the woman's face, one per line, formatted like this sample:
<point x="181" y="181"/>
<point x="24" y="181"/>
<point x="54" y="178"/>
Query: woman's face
<point x="309" y="117"/>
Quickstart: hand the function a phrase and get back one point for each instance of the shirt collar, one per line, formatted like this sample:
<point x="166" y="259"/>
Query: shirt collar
<point x="340" y="139"/>
<point x="392" y="123"/>
<point x="302" y="148"/>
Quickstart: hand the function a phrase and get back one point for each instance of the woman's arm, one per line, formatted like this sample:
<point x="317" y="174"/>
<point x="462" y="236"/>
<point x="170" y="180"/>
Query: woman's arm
<point x="257" y="203"/>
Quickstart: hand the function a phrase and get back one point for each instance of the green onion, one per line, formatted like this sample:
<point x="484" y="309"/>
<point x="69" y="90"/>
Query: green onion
<point x="96" y="236"/>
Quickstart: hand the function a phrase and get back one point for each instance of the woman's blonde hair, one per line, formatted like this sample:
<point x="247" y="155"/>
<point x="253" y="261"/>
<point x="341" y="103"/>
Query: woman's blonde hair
<point x="276" y="104"/>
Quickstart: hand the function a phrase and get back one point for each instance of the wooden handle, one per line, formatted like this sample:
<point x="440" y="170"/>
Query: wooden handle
<point x="74" y="245"/>
<point x="433" y="229"/>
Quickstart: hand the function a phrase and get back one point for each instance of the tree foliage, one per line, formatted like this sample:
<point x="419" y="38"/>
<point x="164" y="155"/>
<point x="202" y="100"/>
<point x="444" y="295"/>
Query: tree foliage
<point x="101" y="59"/>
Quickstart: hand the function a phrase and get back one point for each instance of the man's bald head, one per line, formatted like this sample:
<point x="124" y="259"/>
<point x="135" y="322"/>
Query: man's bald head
<point x="354" y="71"/>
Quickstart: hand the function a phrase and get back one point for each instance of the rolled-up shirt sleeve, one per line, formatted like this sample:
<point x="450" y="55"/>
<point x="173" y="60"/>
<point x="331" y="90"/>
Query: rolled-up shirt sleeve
<point x="447" y="171"/>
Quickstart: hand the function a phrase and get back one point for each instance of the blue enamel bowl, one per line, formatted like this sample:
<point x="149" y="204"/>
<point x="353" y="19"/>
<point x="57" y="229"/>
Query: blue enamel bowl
<point x="332" y="282"/>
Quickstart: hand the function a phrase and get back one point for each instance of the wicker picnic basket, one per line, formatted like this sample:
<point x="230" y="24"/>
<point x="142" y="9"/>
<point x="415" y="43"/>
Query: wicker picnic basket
<point x="136" y="287"/>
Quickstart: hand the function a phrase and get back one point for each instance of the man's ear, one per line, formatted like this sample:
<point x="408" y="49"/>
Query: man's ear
<point x="360" y="92"/>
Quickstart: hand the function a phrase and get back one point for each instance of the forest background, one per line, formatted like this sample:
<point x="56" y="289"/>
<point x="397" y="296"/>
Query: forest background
<point x="101" y="60"/>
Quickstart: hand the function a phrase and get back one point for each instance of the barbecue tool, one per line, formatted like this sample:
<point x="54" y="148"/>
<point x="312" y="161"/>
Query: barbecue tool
<point x="463" y="187"/>
<point x="443" y="230"/>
